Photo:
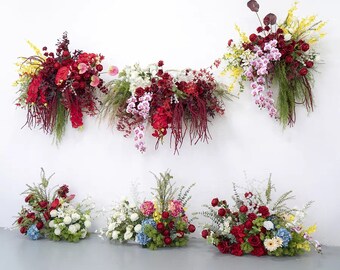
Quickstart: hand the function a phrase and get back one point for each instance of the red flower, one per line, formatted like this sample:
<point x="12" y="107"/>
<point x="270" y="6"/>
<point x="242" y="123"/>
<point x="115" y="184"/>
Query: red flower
<point x="139" y="91"/>
<point x="214" y="202"/>
<point x="33" y="89"/>
<point x="305" y="47"/>
<point x="289" y="59"/>
<point x="62" y="191"/>
<point x="166" y="232"/>
<point x="28" y="198"/>
<point x="303" y="71"/>
<point x="160" y="226"/>
<point x="229" y="42"/>
<point x="253" y="5"/>
<point x="40" y="225"/>
<point x="23" y="230"/>
<point x="252" y="216"/>
<point x="238" y="232"/>
<point x="20" y="220"/>
<point x="31" y="216"/>
<point x="309" y="64"/>
<point x="221" y="212"/>
<point x="99" y="67"/>
<point x="171" y="224"/>
<point x="223" y="247"/>
<point x="259" y="251"/>
<point x="165" y="215"/>
<point x="205" y="234"/>
<point x="254" y="241"/>
<point x="47" y="216"/>
<point x="43" y="204"/>
<point x="264" y="211"/>
<point x="76" y="116"/>
<point x="248" y="224"/>
<point x="62" y="75"/>
<point x="243" y="209"/>
<point x="270" y="18"/>
<point x="191" y="228"/>
<point x="236" y="250"/>
<point x="253" y="37"/>
<point x="180" y="234"/>
<point x="54" y="204"/>
<point x="160" y="63"/>
<point x="259" y="29"/>
<point x="167" y="240"/>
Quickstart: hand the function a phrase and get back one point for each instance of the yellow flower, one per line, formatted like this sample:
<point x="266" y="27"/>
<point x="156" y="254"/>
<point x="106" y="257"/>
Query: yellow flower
<point x="311" y="229"/>
<point x="305" y="245"/>
<point x="35" y="48"/>
<point x="291" y="11"/>
<point x="243" y="35"/>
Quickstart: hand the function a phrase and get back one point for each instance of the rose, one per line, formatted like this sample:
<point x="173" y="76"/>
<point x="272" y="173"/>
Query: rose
<point x="43" y="204"/>
<point x="253" y="37"/>
<point x="248" y="224"/>
<point x="259" y="29"/>
<point x="254" y="241"/>
<point x="303" y="71"/>
<point x="214" y="202"/>
<point x="87" y="223"/>
<point x="134" y="217"/>
<point x="138" y="228"/>
<point x="171" y="224"/>
<point x="191" y="228"/>
<point x="75" y="217"/>
<point x="160" y="226"/>
<point x="243" y="209"/>
<point x="20" y="220"/>
<point x="28" y="198"/>
<point x="72" y="229"/>
<point x="305" y="47"/>
<point x="205" y="234"/>
<point x="160" y="63"/>
<point x="259" y="251"/>
<point x="23" y="230"/>
<point x="236" y="250"/>
<point x="238" y="232"/>
<point x="264" y="211"/>
<point x="51" y="224"/>
<point x="128" y="235"/>
<point x="223" y="247"/>
<point x="40" y="225"/>
<point x="166" y="232"/>
<point x="99" y="67"/>
<point x="167" y="241"/>
<point x="309" y="64"/>
<point x="67" y="220"/>
<point x="222" y="212"/>
<point x="57" y="231"/>
<point x="165" y="215"/>
<point x="252" y="216"/>
<point x="31" y="216"/>
<point x="289" y="59"/>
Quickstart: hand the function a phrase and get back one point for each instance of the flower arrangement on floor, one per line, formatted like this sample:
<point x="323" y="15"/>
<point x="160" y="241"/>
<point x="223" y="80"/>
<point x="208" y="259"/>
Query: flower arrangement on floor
<point x="175" y="102"/>
<point x="278" y="53"/>
<point x="258" y="226"/>
<point x="51" y="214"/>
<point x="56" y="86"/>
<point x="153" y="224"/>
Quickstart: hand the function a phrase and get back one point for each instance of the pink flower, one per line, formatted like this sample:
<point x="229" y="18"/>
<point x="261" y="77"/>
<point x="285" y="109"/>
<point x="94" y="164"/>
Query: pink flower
<point x="147" y="208"/>
<point x="175" y="208"/>
<point x="94" y="80"/>
<point x="113" y="71"/>
<point x="82" y="68"/>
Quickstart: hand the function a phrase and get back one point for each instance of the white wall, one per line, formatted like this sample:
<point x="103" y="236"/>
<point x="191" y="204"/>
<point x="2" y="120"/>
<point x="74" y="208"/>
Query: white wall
<point x="191" y="33"/>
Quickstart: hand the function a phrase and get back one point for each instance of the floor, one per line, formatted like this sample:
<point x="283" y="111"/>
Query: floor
<point x="20" y="253"/>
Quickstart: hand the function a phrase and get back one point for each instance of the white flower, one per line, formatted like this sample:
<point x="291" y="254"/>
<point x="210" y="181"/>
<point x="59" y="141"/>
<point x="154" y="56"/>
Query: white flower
<point x="51" y="224"/>
<point x="87" y="217"/>
<point x="57" y="231"/>
<point x="84" y="233"/>
<point x="129" y="228"/>
<point x="134" y="217"/>
<point x="75" y="217"/>
<point x="268" y="225"/>
<point x="132" y="205"/>
<point x="287" y="36"/>
<point x="272" y="244"/>
<point x="53" y="213"/>
<point x="87" y="223"/>
<point x="77" y="226"/>
<point x="115" y="235"/>
<point x="67" y="220"/>
<point x="72" y="229"/>
<point x="112" y="226"/>
<point x="138" y="228"/>
<point x="128" y="235"/>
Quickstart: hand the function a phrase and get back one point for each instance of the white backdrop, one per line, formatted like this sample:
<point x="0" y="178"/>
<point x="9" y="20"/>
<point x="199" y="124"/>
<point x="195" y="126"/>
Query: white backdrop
<point x="100" y="162"/>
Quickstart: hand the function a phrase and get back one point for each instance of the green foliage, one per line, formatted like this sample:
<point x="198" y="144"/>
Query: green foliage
<point x="246" y="247"/>
<point x="184" y="196"/>
<point x="60" y="121"/>
<point x="119" y="93"/>
<point x="165" y="191"/>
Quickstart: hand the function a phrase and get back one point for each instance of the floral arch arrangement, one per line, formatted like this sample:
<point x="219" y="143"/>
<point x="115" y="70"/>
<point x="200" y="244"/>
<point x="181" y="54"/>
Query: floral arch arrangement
<point x="279" y="53"/>
<point x="172" y="102"/>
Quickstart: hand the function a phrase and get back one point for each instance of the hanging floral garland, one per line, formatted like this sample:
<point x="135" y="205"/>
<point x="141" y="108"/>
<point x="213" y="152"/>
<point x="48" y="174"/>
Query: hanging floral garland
<point x="278" y="53"/>
<point x="56" y="86"/>
<point x="172" y="102"/>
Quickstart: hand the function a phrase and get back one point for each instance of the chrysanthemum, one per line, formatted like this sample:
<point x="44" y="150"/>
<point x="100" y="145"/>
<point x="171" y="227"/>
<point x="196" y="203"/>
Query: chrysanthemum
<point x="271" y="244"/>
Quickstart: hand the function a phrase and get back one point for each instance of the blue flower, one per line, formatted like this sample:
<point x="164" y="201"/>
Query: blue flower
<point x="33" y="232"/>
<point x="142" y="238"/>
<point x="149" y="221"/>
<point x="285" y="235"/>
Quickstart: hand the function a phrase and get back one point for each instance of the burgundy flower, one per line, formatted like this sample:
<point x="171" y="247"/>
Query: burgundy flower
<point x="252" y="216"/>
<point x="191" y="228"/>
<point x="221" y="212"/>
<point x="205" y="233"/>
<point x="223" y="247"/>
<point x="305" y="47"/>
<point x="214" y="202"/>
<point x="243" y="209"/>
<point x="270" y="18"/>
<point x="309" y="64"/>
<point x="259" y="251"/>
<point x="62" y="191"/>
<point x="254" y="241"/>
<point x="253" y="5"/>
<point x="236" y="250"/>
<point x="263" y="210"/>
<point x="43" y="204"/>
<point x="62" y="75"/>
<point x="303" y="71"/>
